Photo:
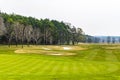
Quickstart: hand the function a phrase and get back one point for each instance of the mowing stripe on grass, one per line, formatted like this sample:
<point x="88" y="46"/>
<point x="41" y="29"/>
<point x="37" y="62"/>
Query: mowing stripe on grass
<point x="112" y="67"/>
<point x="93" y="69"/>
<point x="11" y="64"/>
<point x="15" y="67"/>
<point x="39" y="67"/>
<point x="9" y="60"/>
<point x="70" y="68"/>
<point x="33" y="66"/>
<point x="75" y="68"/>
<point x="80" y="67"/>
<point x="46" y="67"/>
<point x="110" y="56"/>
<point x="85" y="68"/>
<point x="101" y="67"/>
<point x="47" y="70"/>
<point x="64" y="68"/>
<point x="91" y="55"/>
<point x="88" y="68"/>
<point x="29" y="67"/>
<point x="55" y="68"/>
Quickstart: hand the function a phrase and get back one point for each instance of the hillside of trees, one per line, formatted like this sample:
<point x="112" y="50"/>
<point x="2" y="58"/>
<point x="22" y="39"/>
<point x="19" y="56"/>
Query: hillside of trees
<point x="17" y="29"/>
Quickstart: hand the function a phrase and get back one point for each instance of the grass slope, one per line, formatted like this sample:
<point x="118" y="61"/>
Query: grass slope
<point x="96" y="62"/>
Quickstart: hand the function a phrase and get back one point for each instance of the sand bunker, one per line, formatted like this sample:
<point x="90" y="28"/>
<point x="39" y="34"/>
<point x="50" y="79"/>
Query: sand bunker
<point x="55" y="53"/>
<point x="27" y="51"/>
<point x="49" y="50"/>
<point x="63" y="48"/>
<point x="62" y="54"/>
<point x="54" y="47"/>
<point x="66" y="48"/>
<point x="20" y="51"/>
<point x="46" y="48"/>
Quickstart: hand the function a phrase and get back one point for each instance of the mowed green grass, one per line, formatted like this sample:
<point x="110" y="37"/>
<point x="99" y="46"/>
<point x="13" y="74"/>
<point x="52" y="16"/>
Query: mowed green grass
<point x="96" y="62"/>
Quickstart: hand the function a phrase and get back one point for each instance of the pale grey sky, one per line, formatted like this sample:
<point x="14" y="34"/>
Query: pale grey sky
<point x="95" y="17"/>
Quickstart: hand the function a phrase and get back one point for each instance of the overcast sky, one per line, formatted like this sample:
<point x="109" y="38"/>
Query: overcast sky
<point x="95" y="17"/>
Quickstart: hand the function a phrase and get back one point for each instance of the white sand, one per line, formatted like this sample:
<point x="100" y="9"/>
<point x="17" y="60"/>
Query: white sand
<point x="56" y="54"/>
<point x="46" y="48"/>
<point x="20" y="51"/>
<point x="67" y="48"/>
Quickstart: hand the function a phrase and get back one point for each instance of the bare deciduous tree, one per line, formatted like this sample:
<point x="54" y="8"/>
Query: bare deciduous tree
<point x="28" y="33"/>
<point x="21" y="33"/>
<point x="2" y="27"/>
<point x="36" y="35"/>
<point x="9" y="33"/>
<point x="73" y="30"/>
<point x="48" y="35"/>
<point x="16" y="31"/>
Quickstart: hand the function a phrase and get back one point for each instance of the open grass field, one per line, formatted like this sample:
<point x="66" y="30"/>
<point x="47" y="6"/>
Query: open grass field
<point x="80" y="62"/>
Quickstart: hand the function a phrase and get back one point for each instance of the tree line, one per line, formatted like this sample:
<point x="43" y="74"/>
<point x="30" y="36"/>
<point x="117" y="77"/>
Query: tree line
<point x="102" y="39"/>
<point x="17" y="29"/>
